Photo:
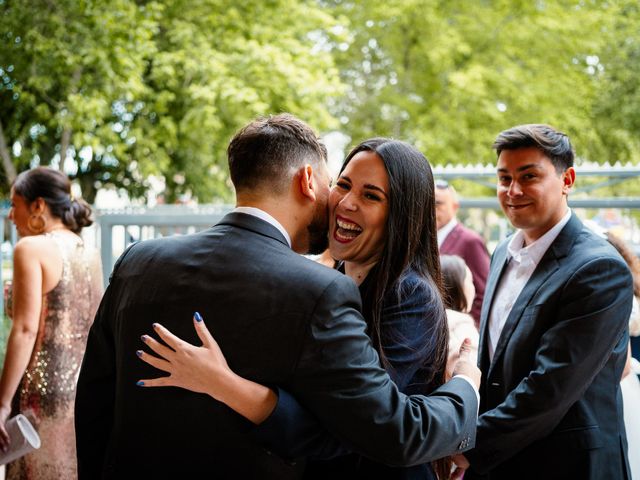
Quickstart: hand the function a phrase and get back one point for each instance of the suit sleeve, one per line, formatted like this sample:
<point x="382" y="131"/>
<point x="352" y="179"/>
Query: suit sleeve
<point x="95" y="390"/>
<point x="292" y="431"/>
<point x="339" y="380"/>
<point x="593" y="310"/>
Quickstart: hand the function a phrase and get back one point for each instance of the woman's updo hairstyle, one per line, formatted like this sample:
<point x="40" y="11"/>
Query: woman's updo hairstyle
<point x="54" y="188"/>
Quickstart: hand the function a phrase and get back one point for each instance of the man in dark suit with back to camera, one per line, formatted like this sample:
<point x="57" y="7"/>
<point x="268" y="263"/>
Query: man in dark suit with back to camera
<point x="280" y="318"/>
<point x="554" y="329"/>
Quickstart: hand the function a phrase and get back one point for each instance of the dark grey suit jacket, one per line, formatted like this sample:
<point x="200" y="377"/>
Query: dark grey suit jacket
<point x="550" y="404"/>
<point x="280" y="319"/>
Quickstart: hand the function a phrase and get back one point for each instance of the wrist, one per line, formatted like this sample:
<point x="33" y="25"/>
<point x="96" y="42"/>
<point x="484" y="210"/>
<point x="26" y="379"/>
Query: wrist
<point x="252" y="400"/>
<point x="226" y="386"/>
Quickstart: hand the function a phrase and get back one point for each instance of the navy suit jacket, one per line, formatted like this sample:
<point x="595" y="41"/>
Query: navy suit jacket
<point x="551" y="406"/>
<point x="470" y="246"/>
<point x="280" y="319"/>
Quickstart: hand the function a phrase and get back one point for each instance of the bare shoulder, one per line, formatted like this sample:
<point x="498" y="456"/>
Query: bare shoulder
<point x="35" y="247"/>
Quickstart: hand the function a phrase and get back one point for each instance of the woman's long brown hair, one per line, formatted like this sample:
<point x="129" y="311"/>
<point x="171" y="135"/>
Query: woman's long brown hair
<point x="411" y="244"/>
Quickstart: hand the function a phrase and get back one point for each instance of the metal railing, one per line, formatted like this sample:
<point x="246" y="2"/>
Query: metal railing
<point x="120" y="228"/>
<point x="116" y="229"/>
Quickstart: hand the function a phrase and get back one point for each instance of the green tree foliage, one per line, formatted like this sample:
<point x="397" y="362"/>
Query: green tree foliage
<point x="617" y="106"/>
<point x="117" y="90"/>
<point x="449" y="75"/>
<point x="65" y="66"/>
<point x="121" y="89"/>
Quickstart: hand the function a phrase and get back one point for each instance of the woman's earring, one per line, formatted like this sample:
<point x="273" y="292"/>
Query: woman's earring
<point x="37" y="224"/>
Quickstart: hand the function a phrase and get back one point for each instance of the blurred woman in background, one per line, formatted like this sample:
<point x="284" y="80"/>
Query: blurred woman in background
<point x="459" y="293"/>
<point x="56" y="289"/>
<point x="630" y="385"/>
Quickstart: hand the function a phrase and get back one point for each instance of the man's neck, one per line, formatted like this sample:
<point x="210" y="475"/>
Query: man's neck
<point x="530" y="237"/>
<point x="280" y="209"/>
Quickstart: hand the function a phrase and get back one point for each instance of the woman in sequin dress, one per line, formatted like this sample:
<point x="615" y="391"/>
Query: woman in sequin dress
<point x="57" y="285"/>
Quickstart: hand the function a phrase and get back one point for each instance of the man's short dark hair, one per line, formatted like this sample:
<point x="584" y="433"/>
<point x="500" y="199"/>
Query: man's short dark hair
<point x="554" y="144"/>
<point x="267" y="151"/>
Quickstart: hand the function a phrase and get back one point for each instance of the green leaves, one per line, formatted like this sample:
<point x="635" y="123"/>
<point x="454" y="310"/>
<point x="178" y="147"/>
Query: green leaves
<point x="450" y="75"/>
<point x="159" y="87"/>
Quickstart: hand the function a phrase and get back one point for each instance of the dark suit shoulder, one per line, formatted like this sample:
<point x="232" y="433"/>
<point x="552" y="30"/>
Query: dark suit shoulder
<point x="171" y="246"/>
<point x="297" y="271"/>
<point x="231" y="247"/>
<point x="590" y="247"/>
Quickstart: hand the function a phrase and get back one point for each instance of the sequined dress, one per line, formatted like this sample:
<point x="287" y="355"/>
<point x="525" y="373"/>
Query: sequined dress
<point x="47" y="391"/>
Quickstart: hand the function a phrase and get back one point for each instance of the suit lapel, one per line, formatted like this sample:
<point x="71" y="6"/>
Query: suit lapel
<point x="498" y="264"/>
<point x="548" y="264"/>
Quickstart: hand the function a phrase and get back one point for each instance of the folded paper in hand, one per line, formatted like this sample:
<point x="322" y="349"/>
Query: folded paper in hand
<point x="23" y="439"/>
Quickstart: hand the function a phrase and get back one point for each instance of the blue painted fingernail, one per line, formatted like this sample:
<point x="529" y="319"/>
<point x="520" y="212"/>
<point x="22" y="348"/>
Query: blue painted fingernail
<point x="140" y="383"/>
<point x="143" y="338"/>
<point x="155" y="325"/>
<point x="139" y="353"/>
<point x="197" y="317"/>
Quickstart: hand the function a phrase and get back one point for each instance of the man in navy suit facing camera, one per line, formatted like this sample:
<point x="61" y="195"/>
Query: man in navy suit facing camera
<point x="554" y="328"/>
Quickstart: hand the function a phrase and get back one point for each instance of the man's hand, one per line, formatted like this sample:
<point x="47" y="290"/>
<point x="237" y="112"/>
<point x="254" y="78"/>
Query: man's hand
<point x="461" y="463"/>
<point x="466" y="365"/>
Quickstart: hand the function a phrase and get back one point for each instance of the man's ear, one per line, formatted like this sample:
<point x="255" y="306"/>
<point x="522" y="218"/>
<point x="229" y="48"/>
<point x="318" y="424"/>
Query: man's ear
<point x="307" y="182"/>
<point x="568" y="179"/>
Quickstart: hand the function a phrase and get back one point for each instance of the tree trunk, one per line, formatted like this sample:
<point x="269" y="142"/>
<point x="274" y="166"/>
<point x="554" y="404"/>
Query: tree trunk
<point x="87" y="187"/>
<point x="7" y="164"/>
<point x="64" y="146"/>
<point x="66" y="133"/>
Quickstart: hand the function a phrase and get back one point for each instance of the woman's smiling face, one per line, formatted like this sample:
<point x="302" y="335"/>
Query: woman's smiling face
<point x="359" y="207"/>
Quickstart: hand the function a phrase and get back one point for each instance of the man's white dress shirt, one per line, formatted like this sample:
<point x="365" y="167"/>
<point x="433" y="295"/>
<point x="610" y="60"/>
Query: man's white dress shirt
<point x="522" y="262"/>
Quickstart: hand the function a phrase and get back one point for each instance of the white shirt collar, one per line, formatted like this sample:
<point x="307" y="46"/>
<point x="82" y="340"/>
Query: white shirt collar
<point x="534" y="251"/>
<point x="261" y="214"/>
<point x="446" y="230"/>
